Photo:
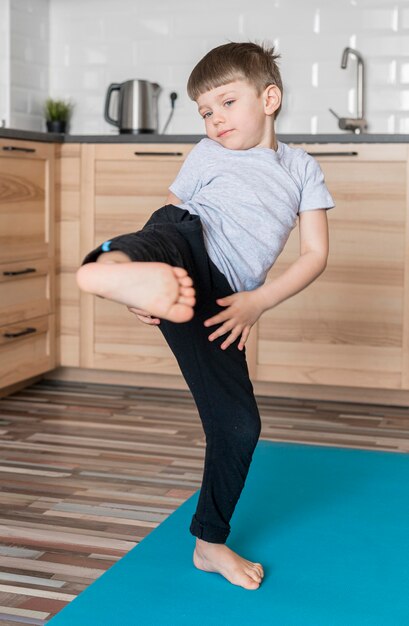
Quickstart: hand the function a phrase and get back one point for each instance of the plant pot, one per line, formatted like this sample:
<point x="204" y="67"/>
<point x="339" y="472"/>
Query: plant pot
<point x="56" y="126"/>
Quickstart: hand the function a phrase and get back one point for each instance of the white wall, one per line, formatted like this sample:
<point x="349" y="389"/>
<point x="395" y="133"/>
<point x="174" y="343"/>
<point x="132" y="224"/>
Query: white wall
<point x="96" y="42"/>
<point x="29" y="62"/>
<point x="4" y="63"/>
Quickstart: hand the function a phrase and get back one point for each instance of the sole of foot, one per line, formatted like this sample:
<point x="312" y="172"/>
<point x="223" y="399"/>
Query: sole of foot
<point x="166" y="292"/>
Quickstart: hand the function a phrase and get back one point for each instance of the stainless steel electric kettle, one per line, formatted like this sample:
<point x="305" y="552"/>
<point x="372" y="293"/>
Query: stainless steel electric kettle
<point x="137" y="106"/>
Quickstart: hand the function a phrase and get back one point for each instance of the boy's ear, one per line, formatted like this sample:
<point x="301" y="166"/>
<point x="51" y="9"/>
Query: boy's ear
<point x="271" y="99"/>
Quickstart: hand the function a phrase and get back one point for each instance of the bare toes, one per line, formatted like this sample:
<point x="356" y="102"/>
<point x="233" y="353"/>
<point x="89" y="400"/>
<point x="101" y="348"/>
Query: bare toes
<point x="254" y="575"/>
<point x="189" y="301"/>
<point x="254" y="583"/>
<point x="180" y="272"/>
<point x="182" y="297"/>
<point x="181" y="313"/>
<point x="259" y="569"/>
<point x="185" y="281"/>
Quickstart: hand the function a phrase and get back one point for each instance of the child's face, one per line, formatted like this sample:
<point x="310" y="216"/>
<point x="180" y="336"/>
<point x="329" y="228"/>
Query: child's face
<point x="237" y="118"/>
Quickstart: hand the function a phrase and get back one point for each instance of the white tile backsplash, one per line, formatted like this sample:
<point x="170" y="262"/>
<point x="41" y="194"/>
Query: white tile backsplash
<point x="29" y="62"/>
<point x="404" y="72"/>
<point x="403" y="125"/>
<point x="4" y="63"/>
<point x="404" y="17"/>
<point x="74" y="50"/>
<point x="380" y="19"/>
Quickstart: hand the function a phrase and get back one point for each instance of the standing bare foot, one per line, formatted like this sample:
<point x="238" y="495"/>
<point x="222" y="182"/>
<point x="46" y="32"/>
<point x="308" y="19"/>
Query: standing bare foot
<point x="165" y="291"/>
<point x="217" y="557"/>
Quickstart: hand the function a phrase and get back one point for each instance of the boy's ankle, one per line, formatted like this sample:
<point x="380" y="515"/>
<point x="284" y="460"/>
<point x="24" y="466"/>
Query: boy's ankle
<point x="115" y="256"/>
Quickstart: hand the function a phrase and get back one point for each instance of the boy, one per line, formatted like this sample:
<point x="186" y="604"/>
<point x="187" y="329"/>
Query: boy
<point x="229" y="213"/>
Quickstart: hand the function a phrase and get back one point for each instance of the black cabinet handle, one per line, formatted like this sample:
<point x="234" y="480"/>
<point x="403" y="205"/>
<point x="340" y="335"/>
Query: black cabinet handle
<point x="28" y="270"/>
<point x="333" y="153"/>
<point x="158" y="153"/>
<point x="26" y="331"/>
<point x="18" y="149"/>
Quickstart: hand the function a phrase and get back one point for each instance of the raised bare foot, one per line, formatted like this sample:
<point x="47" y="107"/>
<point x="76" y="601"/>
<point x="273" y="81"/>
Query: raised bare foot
<point x="217" y="557"/>
<point x="165" y="291"/>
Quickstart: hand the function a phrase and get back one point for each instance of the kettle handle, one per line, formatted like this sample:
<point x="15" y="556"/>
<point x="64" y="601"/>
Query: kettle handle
<point x="112" y="87"/>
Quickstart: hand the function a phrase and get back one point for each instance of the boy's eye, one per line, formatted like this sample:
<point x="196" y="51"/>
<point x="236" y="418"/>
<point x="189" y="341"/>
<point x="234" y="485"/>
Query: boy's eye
<point x="205" y="115"/>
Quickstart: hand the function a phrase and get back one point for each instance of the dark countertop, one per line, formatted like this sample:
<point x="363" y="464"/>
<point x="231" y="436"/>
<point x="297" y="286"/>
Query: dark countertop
<point x="12" y="133"/>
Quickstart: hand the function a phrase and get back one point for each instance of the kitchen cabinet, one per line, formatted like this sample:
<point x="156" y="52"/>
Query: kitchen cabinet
<point x="27" y="268"/>
<point x="68" y="220"/>
<point x="349" y="327"/>
<point x="122" y="186"/>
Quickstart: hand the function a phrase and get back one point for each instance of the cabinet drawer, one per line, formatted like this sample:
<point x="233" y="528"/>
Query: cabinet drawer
<point x="25" y="290"/>
<point x="24" y="179"/>
<point x="26" y="349"/>
<point x="143" y="151"/>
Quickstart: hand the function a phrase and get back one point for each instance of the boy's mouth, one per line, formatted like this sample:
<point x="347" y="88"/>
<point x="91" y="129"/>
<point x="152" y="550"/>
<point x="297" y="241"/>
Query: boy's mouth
<point x="224" y="132"/>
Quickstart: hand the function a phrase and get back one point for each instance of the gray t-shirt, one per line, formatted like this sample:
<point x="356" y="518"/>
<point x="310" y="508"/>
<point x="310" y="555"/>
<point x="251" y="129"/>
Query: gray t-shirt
<point x="248" y="202"/>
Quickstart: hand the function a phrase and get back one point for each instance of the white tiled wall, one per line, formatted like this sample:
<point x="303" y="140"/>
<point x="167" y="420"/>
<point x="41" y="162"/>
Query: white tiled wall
<point x="4" y="63"/>
<point x="96" y="42"/>
<point x="29" y="62"/>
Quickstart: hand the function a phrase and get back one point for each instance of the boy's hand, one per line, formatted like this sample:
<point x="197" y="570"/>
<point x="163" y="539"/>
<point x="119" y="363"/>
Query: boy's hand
<point x="242" y="311"/>
<point x="144" y="316"/>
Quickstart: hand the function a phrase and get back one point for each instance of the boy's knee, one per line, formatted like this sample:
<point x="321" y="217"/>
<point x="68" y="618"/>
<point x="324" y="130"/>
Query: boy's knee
<point x="252" y="430"/>
<point x="245" y="430"/>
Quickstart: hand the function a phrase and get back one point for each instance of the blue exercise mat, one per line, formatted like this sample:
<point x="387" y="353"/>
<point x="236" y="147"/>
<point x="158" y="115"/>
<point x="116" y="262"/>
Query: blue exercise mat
<point x="329" y="525"/>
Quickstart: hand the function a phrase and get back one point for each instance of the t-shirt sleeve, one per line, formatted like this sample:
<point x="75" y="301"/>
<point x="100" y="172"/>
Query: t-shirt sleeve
<point x="189" y="179"/>
<point x="315" y="194"/>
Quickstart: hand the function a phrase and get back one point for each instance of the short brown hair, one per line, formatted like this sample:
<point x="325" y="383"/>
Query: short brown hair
<point x="234" y="61"/>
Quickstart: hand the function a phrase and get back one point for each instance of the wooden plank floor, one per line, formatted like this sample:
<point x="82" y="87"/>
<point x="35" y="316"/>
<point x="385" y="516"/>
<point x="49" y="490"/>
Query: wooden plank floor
<point x="88" y="470"/>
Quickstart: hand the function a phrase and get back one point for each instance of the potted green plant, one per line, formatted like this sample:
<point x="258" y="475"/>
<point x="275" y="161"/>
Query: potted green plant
<point x="57" y="114"/>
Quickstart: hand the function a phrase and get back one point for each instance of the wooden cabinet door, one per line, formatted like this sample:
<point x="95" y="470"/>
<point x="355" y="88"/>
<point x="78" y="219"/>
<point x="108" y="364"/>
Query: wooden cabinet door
<point x="24" y="199"/>
<point x="68" y="223"/>
<point x="348" y="327"/>
<point x="27" y="349"/>
<point x="27" y="329"/>
<point x="25" y="292"/>
<point x="130" y="182"/>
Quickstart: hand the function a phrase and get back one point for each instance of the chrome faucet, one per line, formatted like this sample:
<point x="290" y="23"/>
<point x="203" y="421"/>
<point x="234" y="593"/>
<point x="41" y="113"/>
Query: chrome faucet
<point x="357" y="124"/>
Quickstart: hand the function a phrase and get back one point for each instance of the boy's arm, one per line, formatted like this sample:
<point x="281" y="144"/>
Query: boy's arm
<point x="172" y="199"/>
<point x="314" y="247"/>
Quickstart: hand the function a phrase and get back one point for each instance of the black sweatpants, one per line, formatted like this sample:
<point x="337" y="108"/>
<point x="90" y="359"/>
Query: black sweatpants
<point x="218" y="379"/>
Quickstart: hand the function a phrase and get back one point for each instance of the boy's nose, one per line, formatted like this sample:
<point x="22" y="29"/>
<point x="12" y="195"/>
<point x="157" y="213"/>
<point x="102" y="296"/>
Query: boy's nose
<point x="218" y="117"/>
